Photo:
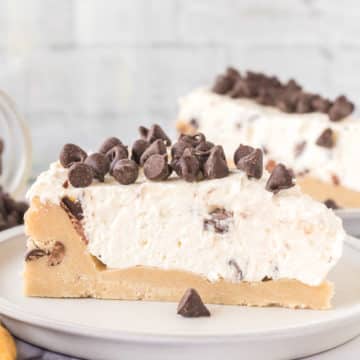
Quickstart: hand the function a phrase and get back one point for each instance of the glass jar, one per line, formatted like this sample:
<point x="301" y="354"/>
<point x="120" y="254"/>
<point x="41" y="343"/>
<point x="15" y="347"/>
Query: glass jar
<point x="16" y="157"/>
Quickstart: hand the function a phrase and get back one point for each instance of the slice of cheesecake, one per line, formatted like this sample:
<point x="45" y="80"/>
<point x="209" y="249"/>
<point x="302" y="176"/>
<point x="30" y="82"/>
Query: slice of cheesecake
<point x="132" y="230"/>
<point x="314" y="136"/>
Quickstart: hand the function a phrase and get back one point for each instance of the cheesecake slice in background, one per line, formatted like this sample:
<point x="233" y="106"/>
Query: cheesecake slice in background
<point x="314" y="136"/>
<point x="151" y="226"/>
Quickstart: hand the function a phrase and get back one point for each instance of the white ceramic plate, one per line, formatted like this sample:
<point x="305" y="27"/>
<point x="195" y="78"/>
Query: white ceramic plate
<point x="98" y="329"/>
<point x="351" y="220"/>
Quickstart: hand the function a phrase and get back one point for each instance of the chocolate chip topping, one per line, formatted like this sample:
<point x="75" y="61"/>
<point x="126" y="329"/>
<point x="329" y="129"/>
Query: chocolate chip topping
<point x="331" y="204"/>
<point x="242" y="151"/>
<point x="57" y="254"/>
<point x="191" y="305"/>
<point x="138" y="149"/>
<point x="116" y="153"/>
<point x="108" y="144"/>
<point x="157" y="147"/>
<point x="218" y="221"/>
<point x="155" y="133"/>
<point x="189" y="166"/>
<point x="100" y="165"/>
<point x="223" y="84"/>
<point x="215" y="166"/>
<point x="71" y="154"/>
<point x="74" y="207"/>
<point x="35" y="254"/>
<point x="194" y="123"/>
<point x="80" y="175"/>
<point x="252" y="164"/>
<point x="125" y="171"/>
<point x="281" y="178"/>
<point x="326" y="139"/>
<point x="341" y="108"/>
<point x="179" y="147"/>
<point x="156" y="167"/>
<point x="288" y="97"/>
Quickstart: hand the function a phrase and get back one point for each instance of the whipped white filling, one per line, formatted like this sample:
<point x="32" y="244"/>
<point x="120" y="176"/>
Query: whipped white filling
<point x="161" y="224"/>
<point x="230" y="122"/>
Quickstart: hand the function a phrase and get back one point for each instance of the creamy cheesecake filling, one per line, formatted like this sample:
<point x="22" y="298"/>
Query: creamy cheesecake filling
<point x="229" y="228"/>
<point x="287" y="138"/>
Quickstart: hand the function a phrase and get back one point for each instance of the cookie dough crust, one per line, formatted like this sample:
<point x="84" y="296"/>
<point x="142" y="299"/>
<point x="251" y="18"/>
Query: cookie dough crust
<point x="82" y="275"/>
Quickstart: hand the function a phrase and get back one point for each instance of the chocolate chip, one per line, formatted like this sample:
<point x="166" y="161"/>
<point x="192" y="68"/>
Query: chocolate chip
<point x="335" y="179"/>
<point x="71" y="154"/>
<point x="304" y="103"/>
<point x="239" y="274"/>
<point x="155" y="133"/>
<point x="156" y="168"/>
<point x="138" y="149"/>
<point x="252" y="164"/>
<point x="331" y="204"/>
<point x="116" y="153"/>
<point x="157" y="147"/>
<point x="320" y="104"/>
<point x="143" y="131"/>
<point x="80" y="175"/>
<point x="202" y="151"/>
<point x="189" y="166"/>
<point x="326" y="139"/>
<point x="108" y="144"/>
<point x="299" y="148"/>
<point x="223" y="84"/>
<point x="57" y="254"/>
<point x="244" y="88"/>
<point x="74" y="207"/>
<point x="100" y="165"/>
<point x="191" y="305"/>
<point x="34" y="254"/>
<point x="215" y="166"/>
<point x="233" y="73"/>
<point x="194" y="123"/>
<point x="179" y="147"/>
<point x="125" y="171"/>
<point x="340" y="109"/>
<point x="219" y="221"/>
<point x="242" y="151"/>
<point x="65" y="184"/>
<point x="281" y="178"/>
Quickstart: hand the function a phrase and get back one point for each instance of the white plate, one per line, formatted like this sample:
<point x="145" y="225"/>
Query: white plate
<point x="97" y="329"/>
<point x="351" y="220"/>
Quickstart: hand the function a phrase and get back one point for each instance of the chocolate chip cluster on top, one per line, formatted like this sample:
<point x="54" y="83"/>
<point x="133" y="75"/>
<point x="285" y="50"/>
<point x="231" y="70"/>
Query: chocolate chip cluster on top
<point x="192" y="158"/>
<point x="250" y="160"/>
<point x="288" y="97"/>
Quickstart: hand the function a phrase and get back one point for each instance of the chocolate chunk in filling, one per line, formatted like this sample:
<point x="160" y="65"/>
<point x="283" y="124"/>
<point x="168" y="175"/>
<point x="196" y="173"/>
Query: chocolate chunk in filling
<point x="35" y="254"/>
<point x="281" y="178"/>
<point x="156" y="167"/>
<point x="326" y="139"/>
<point x="71" y="154"/>
<point x="100" y="165"/>
<point x="57" y="254"/>
<point x="125" y="171"/>
<point x="191" y="305"/>
<point x="74" y="207"/>
<point x="299" y="148"/>
<point x="331" y="204"/>
<point x="252" y="164"/>
<point x="219" y="221"/>
<point x="235" y="266"/>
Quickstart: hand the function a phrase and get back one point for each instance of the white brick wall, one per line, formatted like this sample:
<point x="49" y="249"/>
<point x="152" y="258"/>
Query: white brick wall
<point x="84" y="69"/>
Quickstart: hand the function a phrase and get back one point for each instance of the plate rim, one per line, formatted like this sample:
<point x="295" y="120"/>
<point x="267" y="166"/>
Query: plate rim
<point x="13" y="312"/>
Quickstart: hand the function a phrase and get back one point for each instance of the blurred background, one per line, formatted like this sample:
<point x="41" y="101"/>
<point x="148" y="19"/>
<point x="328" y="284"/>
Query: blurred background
<point x="81" y="70"/>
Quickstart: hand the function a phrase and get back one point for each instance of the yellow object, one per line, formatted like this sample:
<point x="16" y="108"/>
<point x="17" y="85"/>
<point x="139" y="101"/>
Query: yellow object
<point x="7" y="345"/>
